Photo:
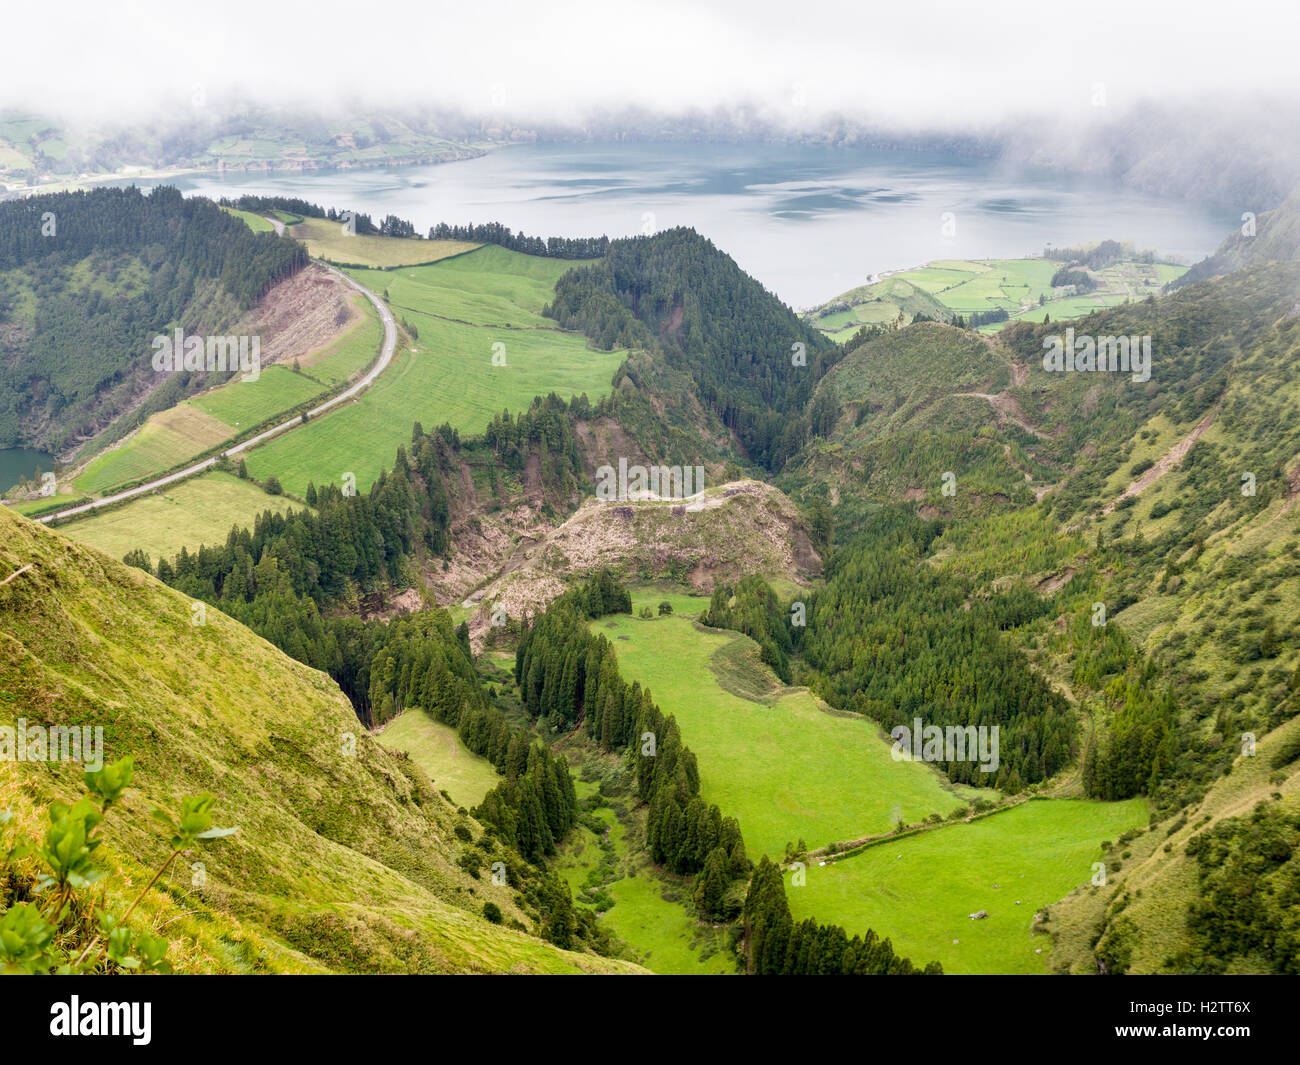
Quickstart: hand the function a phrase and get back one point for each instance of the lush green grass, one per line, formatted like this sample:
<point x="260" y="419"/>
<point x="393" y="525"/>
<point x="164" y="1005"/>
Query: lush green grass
<point x="436" y="749"/>
<point x="920" y="891"/>
<point x="661" y="932"/>
<point x="255" y="222"/>
<point x="186" y="514"/>
<point x="326" y="240"/>
<point x="346" y="857"/>
<point x="243" y="404"/>
<point x="792" y="770"/>
<point x="787" y="770"/>
<point x="684" y="604"/>
<point x="965" y="287"/>
<point x="647" y="915"/>
<point x="34" y="506"/>
<point x="166" y="440"/>
<point x="493" y="286"/>
<point x="449" y="376"/>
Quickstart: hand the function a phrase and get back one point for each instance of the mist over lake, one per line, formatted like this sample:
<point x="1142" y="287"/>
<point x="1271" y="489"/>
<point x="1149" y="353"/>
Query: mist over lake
<point x="807" y="222"/>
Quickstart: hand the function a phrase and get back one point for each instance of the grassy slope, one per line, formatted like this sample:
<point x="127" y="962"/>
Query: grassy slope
<point x="189" y="513"/>
<point x="1156" y="885"/>
<point x="195" y="425"/>
<point x="1204" y="624"/>
<point x="348" y="858"/>
<point x="167" y="439"/>
<point x="914" y="404"/>
<point x="964" y="287"/>
<point x="436" y="749"/>
<point x="255" y="222"/>
<point x="461" y="308"/>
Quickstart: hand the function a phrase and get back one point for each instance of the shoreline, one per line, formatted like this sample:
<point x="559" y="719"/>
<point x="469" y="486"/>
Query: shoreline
<point x="87" y="181"/>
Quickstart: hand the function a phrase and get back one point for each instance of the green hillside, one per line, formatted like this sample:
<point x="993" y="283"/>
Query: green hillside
<point x="1272" y="236"/>
<point x="481" y="348"/>
<point x="345" y="859"/>
<point x="1001" y="289"/>
<point x="775" y="758"/>
<point x="106" y="271"/>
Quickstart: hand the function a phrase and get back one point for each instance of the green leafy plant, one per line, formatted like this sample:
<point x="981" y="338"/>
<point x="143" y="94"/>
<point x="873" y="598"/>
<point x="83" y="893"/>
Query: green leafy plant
<point x="48" y="934"/>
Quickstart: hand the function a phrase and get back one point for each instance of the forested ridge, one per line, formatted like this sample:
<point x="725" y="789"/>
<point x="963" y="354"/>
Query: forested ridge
<point x="753" y="360"/>
<point x="79" y="339"/>
<point x="891" y="638"/>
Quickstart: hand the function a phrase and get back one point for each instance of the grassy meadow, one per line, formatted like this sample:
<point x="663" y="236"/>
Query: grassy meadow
<point x="167" y="439"/>
<point x="462" y="309"/>
<point x="641" y="908"/>
<point x="196" y="511"/>
<point x="436" y="749"/>
<point x="255" y="222"/>
<point x="920" y="890"/>
<point x="326" y="240"/>
<point x="785" y="766"/>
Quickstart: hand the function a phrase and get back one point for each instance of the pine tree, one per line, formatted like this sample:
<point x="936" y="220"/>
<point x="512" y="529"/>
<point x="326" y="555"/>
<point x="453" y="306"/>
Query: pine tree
<point x="711" y="885"/>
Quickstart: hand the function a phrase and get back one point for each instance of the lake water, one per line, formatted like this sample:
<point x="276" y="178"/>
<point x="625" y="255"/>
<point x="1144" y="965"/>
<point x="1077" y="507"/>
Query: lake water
<point x="19" y="462"/>
<point x="807" y="222"/>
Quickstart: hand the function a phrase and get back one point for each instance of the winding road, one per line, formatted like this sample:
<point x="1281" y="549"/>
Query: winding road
<point x="385" y="357"/>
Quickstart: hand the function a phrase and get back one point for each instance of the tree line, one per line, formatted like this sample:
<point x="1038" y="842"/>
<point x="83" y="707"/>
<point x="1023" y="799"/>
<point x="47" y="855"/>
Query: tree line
<point x="775" y="945"/>
<point x="496" y="233"/>
<point x="750" y="606"/>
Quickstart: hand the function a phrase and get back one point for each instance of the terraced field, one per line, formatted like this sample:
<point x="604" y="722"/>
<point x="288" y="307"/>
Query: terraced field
<point x="172" y="437"/>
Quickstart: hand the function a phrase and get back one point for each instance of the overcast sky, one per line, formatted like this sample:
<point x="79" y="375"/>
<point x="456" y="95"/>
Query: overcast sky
<point x="923" y="61"/>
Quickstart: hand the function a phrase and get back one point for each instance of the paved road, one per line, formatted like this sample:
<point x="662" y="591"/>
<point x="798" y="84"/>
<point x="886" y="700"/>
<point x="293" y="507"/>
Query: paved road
<point x="385" y="357"/>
